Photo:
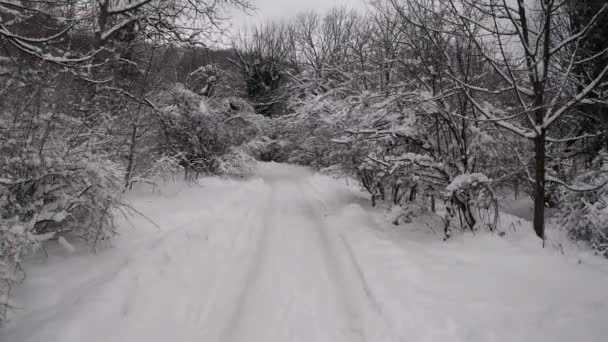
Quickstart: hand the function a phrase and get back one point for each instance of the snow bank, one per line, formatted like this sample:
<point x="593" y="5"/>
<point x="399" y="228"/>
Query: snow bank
<point x="479" y="287"/>
<point x="473" y="287"/>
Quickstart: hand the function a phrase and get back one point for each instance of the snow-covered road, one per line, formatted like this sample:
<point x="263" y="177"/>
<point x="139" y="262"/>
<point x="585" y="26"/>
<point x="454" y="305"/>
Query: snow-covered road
<point x="254" y="262"/>
<point x="294" y="289"/>
<point x="289" y="256"/>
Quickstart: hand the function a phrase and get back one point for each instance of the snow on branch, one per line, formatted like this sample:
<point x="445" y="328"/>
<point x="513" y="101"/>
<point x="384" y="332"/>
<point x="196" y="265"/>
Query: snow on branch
<point x="128" y="7"/>
<point x="553" y="116"/>
<point x="580" y="34"/>
<point x="579" y="188"/>
<point x="467" y="180"/>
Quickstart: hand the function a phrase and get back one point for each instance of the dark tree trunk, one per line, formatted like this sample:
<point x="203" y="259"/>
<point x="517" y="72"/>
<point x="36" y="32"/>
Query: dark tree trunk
<point x="396" y="197"/>
<point x="539" y="185"/>
<point x="413" y="192"/>
<point x="131" y="158"/>
<point x="381" y="190"/>
<point x="465" y="210"/>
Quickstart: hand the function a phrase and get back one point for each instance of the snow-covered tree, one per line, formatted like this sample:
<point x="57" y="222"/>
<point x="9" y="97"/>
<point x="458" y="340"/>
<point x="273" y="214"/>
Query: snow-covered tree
<point x="585" y="213"/>
<point x="532" y="61"/>
<point x="79" y="82"/>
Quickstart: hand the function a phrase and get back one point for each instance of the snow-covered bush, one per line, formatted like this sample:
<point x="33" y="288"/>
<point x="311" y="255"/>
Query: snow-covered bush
<point x="203" y="133"/>
<point x="191" y="129"/>
<point x="13" y="243"/>
<point x="211" y="136"/>
<point x="56" y="192"/>
<point x="236" y="162"/>
<point x="585" y="213"/>
<point x="473" y="196"/>
<point x="194" y="129"/>
<point x="276" y="151"/>
<point x="241" y="160"/>
<point x="51" y="192"/>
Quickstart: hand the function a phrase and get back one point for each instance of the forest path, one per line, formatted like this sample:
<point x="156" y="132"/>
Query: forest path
<point x="255" y="264"/>
<point x="287" y="255"/>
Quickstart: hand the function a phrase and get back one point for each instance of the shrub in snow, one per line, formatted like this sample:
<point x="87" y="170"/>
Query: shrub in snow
<point x="190" y="130"/>
<point x="276" y="151"/>
<point x="236" y="162"/>
<point x="408" y="212"/>
<point x="13" y="243"/>
<point x="461" y="183"/>
<point x="258" y="147"/>
<point x="59" y="192"/>
<point x="472" y="197"/>
<point x="585" y="213"/>
<point x="395" y="144"/>
<point x="47" y="193"/>
<point x="334" y="171"/>
<point x="370" y="179"/>
<point x="201" y="135"/>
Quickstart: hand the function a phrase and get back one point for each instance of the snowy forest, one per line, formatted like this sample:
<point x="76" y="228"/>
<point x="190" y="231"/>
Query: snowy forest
<point x="441" y="108"/>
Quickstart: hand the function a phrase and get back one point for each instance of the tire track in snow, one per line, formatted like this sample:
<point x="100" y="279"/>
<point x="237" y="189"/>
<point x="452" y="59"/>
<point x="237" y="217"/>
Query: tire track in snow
<point x="219" y="281"/>
<point x="228" y="330"/>
<point x="236" y="239"/>
<point x="350" y="276"/>
<point x="331" y="260"/>
<point x="292" y="291"/>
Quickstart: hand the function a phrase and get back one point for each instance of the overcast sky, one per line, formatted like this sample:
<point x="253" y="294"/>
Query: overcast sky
<point x="269" y="10"/>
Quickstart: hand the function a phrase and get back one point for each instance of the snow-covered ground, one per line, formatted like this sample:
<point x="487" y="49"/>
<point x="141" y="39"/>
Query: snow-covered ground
<point x="287" y="255"/>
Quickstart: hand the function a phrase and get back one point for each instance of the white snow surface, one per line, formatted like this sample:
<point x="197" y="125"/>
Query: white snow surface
<point x="287" y="255"/>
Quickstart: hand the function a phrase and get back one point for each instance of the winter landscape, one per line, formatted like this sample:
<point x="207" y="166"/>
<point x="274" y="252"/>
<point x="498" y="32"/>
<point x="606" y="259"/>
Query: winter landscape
<point x="243" y="171"/>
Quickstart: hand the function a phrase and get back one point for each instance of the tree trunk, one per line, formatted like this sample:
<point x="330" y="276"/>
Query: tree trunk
<point x="465" y="210"/>
<point x="396" y="196"/>
<point x="539" y="185"/>
<point x="131" y="156"/>
<point x="381" y="190"/>
<point x="413" y="192"/>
